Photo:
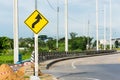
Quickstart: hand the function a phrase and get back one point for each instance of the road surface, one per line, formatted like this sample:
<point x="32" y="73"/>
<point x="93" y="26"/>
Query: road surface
<point x="92" y="68"/>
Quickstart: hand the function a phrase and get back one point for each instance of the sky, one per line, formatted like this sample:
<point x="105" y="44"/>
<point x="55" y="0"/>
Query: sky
<point x="79" y="13"/>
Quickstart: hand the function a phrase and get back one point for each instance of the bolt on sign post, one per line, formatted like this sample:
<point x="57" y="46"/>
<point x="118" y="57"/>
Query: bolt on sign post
<point x="36" y="22"/>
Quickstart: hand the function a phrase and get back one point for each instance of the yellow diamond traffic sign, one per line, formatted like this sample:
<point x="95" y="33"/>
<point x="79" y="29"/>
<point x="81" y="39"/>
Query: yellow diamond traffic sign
<point x="36" y="21"/>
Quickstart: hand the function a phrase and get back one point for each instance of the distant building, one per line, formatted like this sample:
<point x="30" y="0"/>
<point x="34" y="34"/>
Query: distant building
<point x="118" y="39"/>
<point x="108" y="42"/>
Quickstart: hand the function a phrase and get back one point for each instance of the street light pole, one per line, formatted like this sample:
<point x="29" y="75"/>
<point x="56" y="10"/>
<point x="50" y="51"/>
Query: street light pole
<point x="110" y="27"/>
<point x="57" y="24"/>
<point x="15" y="22"/>
<point x="104" y="27"/>
<point x="88" y="36"/>
<point x="97" y="25"/>
<point x="66" y="25"/>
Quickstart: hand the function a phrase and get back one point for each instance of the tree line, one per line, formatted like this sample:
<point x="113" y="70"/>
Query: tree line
<point x="46" y="43"/>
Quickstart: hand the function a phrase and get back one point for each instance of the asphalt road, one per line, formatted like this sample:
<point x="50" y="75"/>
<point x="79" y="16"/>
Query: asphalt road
<point x="92" y="68"/>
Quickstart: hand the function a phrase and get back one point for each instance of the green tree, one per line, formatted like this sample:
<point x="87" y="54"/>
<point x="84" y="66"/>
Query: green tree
<point x="116" y="44"/>
<point x="94" y="43"/>
<point x="79" y="43"/>
<point x="89" y="42"/>
<point x="42" y="37"/>
<point x="73" y="35"/>
<point x="26" y="42"/>
<point x="11" y="43"/>
<point x="51" y="44"/>
<point x="62" y="39"/>
<point x="41" y="43"/>
<point x="5" y="43"/>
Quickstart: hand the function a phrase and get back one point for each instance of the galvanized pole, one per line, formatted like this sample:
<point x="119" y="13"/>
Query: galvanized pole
<point x="36" y="54"/>
<point x="88" y="44"/>
<point x="110" y="26"/>
<point x="35" y="4"/>
<point x="97" y="45"/>
<point x="36" y="47"/>
<point x="57" y="24"/>
<point x="104" y="27"/>
<point x="66" y="25"/>
<point x="15" y="22"/>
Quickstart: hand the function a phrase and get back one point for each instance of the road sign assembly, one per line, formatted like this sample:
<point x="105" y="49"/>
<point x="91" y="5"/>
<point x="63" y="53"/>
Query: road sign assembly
<point x="36" y="21"/>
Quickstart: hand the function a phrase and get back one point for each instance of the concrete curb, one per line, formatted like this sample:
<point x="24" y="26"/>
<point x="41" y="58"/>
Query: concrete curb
<point x="50" y="63"/>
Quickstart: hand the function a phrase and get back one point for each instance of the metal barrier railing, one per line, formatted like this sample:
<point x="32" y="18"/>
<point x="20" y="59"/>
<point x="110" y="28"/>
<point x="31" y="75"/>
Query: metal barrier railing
<point x="43" y="56"/>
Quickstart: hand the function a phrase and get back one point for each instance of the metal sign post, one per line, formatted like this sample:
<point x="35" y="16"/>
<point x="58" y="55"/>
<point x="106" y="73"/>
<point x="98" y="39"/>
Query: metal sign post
<point x="36" y="54"/>
<point x="36" y="47"/>
<point x="36" y="22"/>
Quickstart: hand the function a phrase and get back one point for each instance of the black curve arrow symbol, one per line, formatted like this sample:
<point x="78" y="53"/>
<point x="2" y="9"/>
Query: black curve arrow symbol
<point x="38" y="17"/>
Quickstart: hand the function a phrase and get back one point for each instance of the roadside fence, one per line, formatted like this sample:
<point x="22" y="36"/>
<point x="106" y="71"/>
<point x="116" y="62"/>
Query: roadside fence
<point x="43" y="56"/>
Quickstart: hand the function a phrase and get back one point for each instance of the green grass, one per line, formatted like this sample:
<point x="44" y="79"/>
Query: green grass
<point x="6" y="59"/>
<point x="117" y="48"/>
<point x="9" y="59"/>
<point x="26" y="56"/>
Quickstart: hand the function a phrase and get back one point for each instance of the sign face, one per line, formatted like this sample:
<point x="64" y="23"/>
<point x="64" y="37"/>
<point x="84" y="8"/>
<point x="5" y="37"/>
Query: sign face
<point x="36" y="22"/>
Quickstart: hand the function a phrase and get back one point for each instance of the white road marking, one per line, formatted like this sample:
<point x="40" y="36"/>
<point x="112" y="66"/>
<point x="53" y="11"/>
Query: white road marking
<point x="73" y="65"/>
<point x="93" y="79"/>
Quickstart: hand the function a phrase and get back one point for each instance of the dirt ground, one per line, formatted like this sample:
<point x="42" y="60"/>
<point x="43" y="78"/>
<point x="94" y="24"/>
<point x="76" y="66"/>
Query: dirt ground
<point x="23" y="73"/>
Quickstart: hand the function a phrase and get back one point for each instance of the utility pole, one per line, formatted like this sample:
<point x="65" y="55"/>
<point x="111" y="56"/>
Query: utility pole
<point x="66" y="25"/>
<point x="88" y="44"/>
<point x="110" y="26"/>
<point x="104" y="27"/>
<point x="97" y="45"/>
<point x="57" y="25"/>
<point x="15" y="22"/>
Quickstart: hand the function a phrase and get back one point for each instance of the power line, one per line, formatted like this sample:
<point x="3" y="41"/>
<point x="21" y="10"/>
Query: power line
<point x="71" y="18"/>
<point x="51" y="6"/>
